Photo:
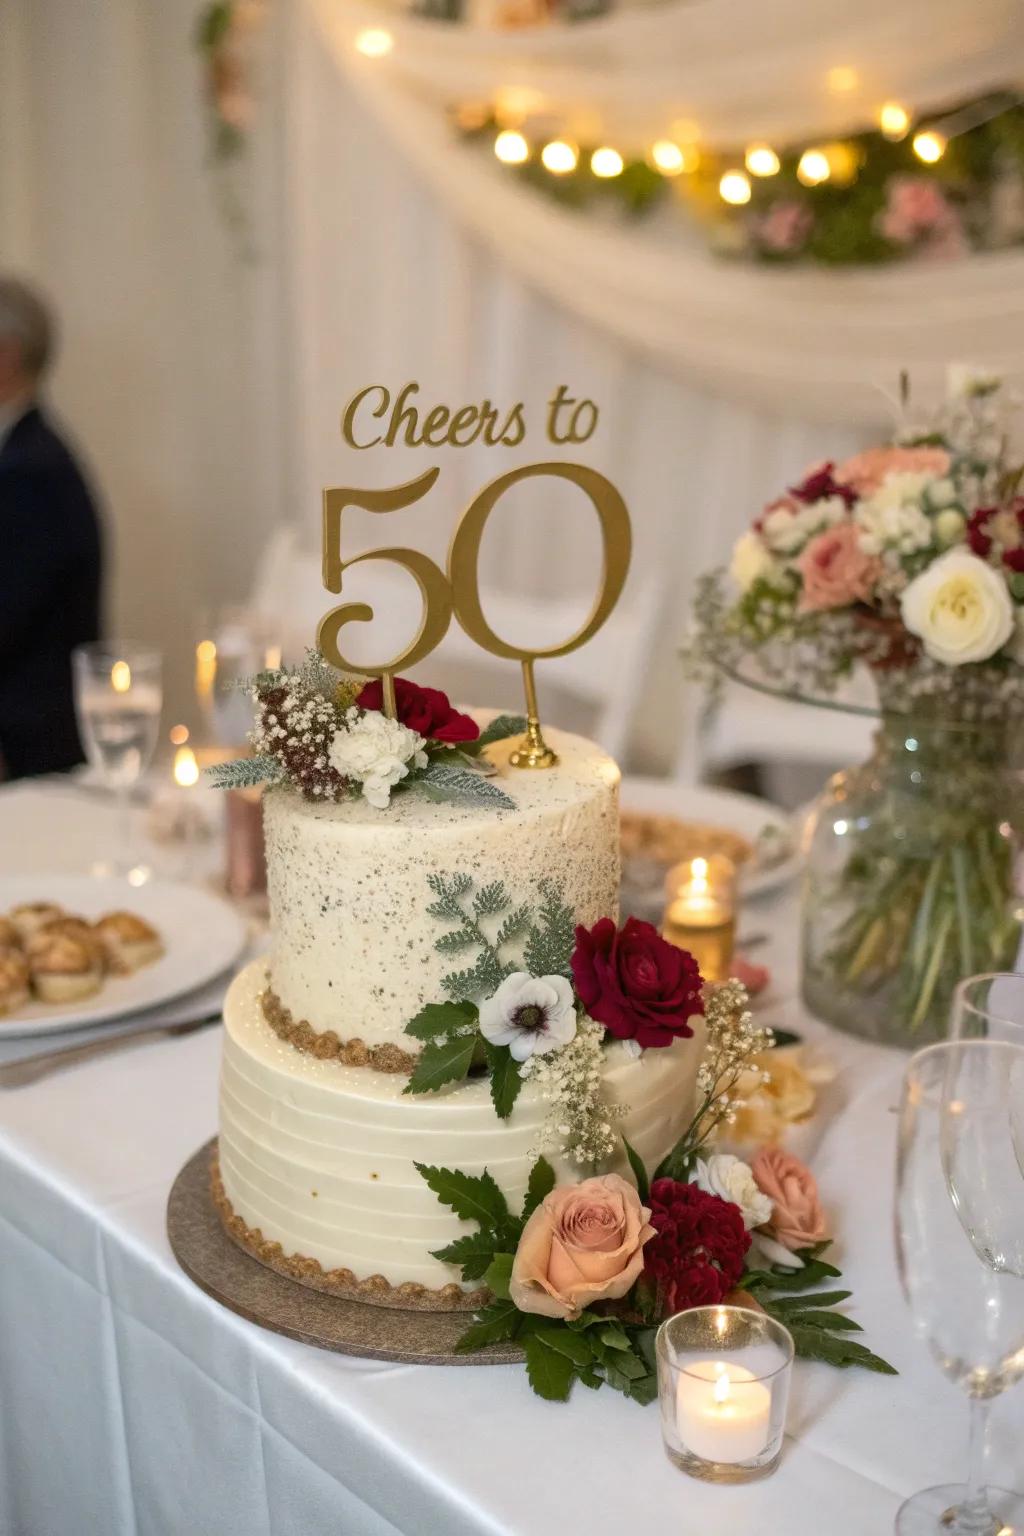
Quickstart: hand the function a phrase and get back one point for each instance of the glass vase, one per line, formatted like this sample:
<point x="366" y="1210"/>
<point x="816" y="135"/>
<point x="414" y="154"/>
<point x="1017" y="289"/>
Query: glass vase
<point x="912" y="877"/>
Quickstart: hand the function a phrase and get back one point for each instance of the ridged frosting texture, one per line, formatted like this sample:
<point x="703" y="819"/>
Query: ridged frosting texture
<point x="319" y="1156"/>
<point x="353" y="943"/>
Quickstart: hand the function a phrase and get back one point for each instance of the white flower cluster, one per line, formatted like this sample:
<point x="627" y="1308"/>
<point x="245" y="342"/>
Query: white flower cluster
<point x="787" y="528"/>
<point x="732" y="1039"/>
<point x="578" y="1121"/>
<point x="376" y="752"/>
<point x="730" y="1178"/>
<point x="893" y="517"/>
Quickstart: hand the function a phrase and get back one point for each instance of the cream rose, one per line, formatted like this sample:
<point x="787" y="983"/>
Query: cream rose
<point x="377" y="753"/>
<point x="584" y="1243"/>
<point x="751" y="561"/>
<point x="960" y="608"/>
<point x="731" y="1179"/>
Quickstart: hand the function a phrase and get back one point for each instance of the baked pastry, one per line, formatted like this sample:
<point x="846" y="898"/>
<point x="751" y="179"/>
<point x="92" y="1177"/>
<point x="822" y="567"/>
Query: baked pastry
<point x="64" y="970"/>
<point x="71" y="928"/>
<point x="10" y="938"/>
<point x="14" y="980"/>
<point x="33" y="915"/>
<point x="128" y="941"/>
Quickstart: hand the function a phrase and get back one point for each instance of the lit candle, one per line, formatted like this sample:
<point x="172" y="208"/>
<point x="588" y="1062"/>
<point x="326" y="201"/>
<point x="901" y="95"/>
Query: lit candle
<point x="186" y="769"/>
<point x="701" y="912"/>
<point x="206" y="669"/>
<point x="723" y="1412"/>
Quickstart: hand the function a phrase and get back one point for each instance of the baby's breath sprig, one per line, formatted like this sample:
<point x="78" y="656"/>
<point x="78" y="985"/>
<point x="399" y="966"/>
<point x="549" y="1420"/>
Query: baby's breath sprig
<point x="579" y="1120"/>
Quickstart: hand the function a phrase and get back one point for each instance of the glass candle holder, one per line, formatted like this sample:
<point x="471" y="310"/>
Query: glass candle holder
<point x="700" y="912"/>
<point x="723" y="1384"/>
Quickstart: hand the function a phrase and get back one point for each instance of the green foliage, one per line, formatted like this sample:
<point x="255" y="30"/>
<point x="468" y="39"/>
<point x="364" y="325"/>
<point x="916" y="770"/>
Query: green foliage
<point x="818" y="1334"/>
<point x="636" y="1162"/>
<point x="505" y="1079"/>
<point x="474" y="1253"/>
<point x="550" y="1371"/>
<point x="493" y="1325"/>
<point x="447" y="1060"/>
<point x="449" y="781"/>
<point x="437" y="1020"/>
<point x="551" y="940"/>
<point x="500" y="728"/>
<point x="540" y="1185"/>
<point x="498" y="1274"/>
<point x="244" y="772"/>
<point x="473" y="1197"/>
<point x="449" y="890"/>
<point x="213" y="24"/>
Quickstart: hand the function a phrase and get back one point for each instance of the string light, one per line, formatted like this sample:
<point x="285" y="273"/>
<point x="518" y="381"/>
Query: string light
<point x="606" y="162"/>
<point x="813" y="167"/>
<point x="734" y="188"/>
<point x="511" y="148"/>
<point x="120" y="677"/>
<point x="844" y="162"/>
<point x="186" y="769"/>
<point x="179" y="735"/>
<point x="559" y="157"/>
<point x="894" y="120"/>
<point x="374" y="42"/>
<point x="671" y="159"/>
<point x="842" y="79"/>
<point x="762" y="161"/>
<point x="929" y="146"/>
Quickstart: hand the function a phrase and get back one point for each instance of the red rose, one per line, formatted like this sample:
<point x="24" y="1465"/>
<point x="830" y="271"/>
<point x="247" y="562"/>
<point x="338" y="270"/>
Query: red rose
<point x="635" y="983"/>
<point x="698" y="1254"/>
<point x="426" y="710"/>
<point x="821" y="483"/>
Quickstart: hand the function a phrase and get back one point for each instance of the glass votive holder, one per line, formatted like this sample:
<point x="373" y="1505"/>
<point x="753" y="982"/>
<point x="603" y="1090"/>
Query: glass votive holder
<point x="723" y="1384"/>
<point x="700" y="912"/>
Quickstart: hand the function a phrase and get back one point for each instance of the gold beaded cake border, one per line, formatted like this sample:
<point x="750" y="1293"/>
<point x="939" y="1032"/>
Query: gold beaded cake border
<point x="375" y="1290"/>
<point x="328" y="1046"/>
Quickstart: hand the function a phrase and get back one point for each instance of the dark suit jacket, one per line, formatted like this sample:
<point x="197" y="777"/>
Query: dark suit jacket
<point x="50" y="564"/>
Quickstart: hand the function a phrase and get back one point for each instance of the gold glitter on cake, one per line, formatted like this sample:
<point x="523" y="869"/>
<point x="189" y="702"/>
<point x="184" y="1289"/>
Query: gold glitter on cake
<point x="328" y="1046"/>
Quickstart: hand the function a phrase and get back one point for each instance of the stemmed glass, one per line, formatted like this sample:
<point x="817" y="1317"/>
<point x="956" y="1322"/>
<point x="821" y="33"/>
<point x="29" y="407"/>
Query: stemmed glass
<point x="118" y="696"/>
<point x="960" y="1251"/>
<point x="989" y="1007"/>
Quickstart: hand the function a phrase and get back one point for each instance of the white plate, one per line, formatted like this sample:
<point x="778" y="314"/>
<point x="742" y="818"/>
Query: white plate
<point x="773" y="833"/>
<point x="202" y="936"/>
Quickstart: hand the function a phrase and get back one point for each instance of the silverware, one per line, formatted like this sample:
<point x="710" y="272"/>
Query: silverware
<point x="19" y="1074"/>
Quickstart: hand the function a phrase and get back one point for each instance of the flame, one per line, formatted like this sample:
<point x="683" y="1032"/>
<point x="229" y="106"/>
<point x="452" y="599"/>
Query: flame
<point x="186" y="769"/>
<point x="120" y="677"/>
<point x="722" y="1388"/>
<point x="206" y="668"/>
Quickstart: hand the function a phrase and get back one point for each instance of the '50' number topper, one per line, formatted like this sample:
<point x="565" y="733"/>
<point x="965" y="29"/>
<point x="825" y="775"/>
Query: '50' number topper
<point x="458" y="591"/>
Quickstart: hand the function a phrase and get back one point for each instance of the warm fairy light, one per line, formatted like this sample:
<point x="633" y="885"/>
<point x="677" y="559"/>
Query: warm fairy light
<point x="471" y="116"/>
<point x="734" y="188"/>
<point x="374" y="42"/>
<point x="761" y="160"/>
<point x="559" y="157"/>
<point x="842" y="79"/>
<point x="671" y="159"/>
<point x="178" y="735"/>
<point x="206" y="668"/>
<point x="813" y="167"/>
<point x="893" y="120"/>
<point x="514" y="103"/>
<point x="272" y="658"/>
<point x="929" y="146"/>
<point x="120" y="677"/>
<point x="606" y="162"/>
<point x="511" y="148"/>
<point x="844" y="161"/>
<point x="186" y="769"/>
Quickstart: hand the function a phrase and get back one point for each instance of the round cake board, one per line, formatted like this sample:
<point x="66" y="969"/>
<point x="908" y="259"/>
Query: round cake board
<point x="244" y="1285"/>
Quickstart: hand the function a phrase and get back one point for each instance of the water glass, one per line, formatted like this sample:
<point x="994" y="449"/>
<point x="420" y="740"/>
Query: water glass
<point x="118" y="697"/>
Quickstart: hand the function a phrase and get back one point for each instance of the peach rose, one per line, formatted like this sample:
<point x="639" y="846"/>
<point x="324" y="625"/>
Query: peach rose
<point x="584" y="1243"/>
<point x="835" y="569"/>
<point x="797" y="1217"/>
<point x="866" y="471"/>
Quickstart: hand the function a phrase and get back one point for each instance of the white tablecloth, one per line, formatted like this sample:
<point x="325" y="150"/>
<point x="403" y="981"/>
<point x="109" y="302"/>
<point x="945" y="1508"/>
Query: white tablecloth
<point x="132" y="1405"/>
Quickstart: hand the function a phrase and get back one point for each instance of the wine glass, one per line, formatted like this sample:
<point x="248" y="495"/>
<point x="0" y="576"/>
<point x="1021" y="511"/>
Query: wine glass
<point x="959" y="1229"/>
<point x="118" y="696"/>
<point x="989" y="1007"/>
<point x="239" y="643"/>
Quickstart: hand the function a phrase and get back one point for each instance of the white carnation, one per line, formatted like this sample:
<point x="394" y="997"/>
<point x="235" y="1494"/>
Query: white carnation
<point x="377" y="752"/>
<point x="960" y="608"/>
<point x="731" y="1179"/>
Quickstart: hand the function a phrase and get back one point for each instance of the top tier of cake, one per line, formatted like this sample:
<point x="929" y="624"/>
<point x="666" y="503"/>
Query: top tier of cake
<point x="353" y="945"/>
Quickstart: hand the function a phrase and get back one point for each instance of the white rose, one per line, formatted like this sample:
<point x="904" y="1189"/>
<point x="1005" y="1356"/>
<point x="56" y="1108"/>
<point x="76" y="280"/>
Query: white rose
<point x="941" y="493"/>
<point x="532" y="1015"/>
<point x="960" y="608"/>
<point x="750" y="561"/>
<point x="377" y="753"/>
<point x="731" y="1179"/>
<point x="949" y="527"/>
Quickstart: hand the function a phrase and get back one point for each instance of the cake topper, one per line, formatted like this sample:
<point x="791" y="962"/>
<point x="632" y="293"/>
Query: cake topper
<point x="457" y="592"/>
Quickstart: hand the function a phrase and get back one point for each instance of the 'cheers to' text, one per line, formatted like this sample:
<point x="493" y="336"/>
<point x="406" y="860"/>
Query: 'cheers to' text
<point x="401" y="421"/>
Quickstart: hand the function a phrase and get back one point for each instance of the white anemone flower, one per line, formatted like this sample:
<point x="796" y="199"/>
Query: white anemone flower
<point x="532" y="1015"/>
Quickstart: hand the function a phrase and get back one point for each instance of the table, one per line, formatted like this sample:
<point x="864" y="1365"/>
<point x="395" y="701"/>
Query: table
<point x="132" y="1405"/>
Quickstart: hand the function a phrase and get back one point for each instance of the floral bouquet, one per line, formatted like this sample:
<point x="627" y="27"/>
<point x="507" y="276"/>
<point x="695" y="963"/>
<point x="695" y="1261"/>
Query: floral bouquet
<point x="584" y="1274"/>
<point x="908" y="558"/>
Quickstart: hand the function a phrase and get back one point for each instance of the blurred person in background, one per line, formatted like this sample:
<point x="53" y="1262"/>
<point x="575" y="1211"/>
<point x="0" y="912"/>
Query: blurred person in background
<point x="50" y="553"/>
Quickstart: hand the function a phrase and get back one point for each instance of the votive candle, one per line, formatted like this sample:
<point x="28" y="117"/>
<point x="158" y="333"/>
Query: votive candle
<point x="700" y="913"/>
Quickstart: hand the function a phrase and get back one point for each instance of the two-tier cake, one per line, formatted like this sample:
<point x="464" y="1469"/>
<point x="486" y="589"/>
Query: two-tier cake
<point x="319" y="1133"/>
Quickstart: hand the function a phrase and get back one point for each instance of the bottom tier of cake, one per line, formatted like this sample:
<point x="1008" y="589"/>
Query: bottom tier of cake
<point x="317" y="1158"/>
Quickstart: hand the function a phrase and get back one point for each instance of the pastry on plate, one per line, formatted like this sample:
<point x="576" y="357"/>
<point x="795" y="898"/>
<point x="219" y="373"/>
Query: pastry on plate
<point x="10" y="938"/>
<point x="128" y="941"/>
<point x="70" y="928"/>
<point x="64" y="969"/>
<point x="33" y="915"/>
<point x="14" y="980"/>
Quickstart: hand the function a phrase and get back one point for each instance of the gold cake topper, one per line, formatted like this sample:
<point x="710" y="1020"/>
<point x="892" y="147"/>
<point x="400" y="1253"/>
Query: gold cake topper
<point x="457" y="591"/>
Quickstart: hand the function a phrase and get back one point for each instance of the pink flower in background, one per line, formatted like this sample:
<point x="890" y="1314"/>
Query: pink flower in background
<point x="797" y="1217"/>
<point x="866" y="471"/>
<point x="784" y="229"/>
<point x="835" y="569"/>
<point x="918" y="211"/>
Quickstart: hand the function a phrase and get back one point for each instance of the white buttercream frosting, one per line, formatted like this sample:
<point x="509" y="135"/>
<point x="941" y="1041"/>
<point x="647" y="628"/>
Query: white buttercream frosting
<point x="353" y="942"/>
<point x="319" y="1156"/>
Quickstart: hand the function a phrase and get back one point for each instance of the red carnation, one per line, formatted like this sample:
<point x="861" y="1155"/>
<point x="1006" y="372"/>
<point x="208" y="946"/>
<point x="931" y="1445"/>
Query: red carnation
<point x="635" y="983"/>
<point x="426" y="710"/>
<point x="698" y="1255"/>
<point x="978" y="538"/>
<point x="821" y="483"/>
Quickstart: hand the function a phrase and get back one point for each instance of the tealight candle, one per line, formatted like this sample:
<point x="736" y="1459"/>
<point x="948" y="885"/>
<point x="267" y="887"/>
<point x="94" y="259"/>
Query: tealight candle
<point x="723" y="1411"/>
<point x="700" y="914"/>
